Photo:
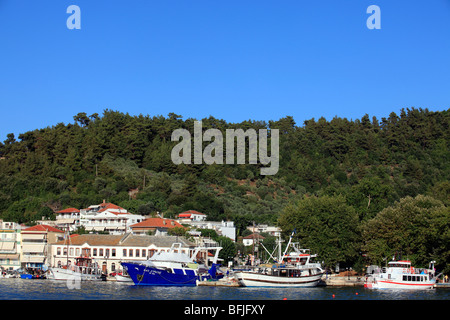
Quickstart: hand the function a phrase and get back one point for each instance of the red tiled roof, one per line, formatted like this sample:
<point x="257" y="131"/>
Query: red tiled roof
<point x="192" y="212"/>
<point x="106" y="206"/>
<point x="254" y="236"/>
<point x="43" y="227"/>
<point x="157" y="223"/>
<point x="68" y="210"/>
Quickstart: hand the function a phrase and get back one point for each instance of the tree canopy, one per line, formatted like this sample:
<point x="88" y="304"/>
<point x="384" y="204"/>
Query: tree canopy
<point x="415" y="228"/>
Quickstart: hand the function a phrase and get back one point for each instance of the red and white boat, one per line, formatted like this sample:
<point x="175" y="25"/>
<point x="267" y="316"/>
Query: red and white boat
<point x="401" y="275"/>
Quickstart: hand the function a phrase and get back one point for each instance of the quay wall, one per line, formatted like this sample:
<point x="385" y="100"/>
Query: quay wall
<point x="332" y="280"/>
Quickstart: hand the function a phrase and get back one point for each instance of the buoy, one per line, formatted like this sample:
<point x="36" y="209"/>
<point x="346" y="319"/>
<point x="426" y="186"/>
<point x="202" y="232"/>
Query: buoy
<point x="333" y="296"/>
<point x="356" y="293"/>
<point x="284" y="298"/>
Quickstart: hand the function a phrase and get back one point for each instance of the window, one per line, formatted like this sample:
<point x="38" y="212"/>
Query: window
<point x="130" y="252"/>
<point x="58" y="251"/>
<point x="113" y="252"/>
<point x="113" y="267"/>
<point x="124" y="252"/>
<point x="95" y="252"/>
<point x="86" y="252"/>
<point x="137" y="252"/>
<point x="107" y="252"/>
<point x="65" y="251"/>
<point x="71" y="251"/>
<point x="101" y="252"/>
<point x="77" y="251"/>
<point x="143" y="253"/>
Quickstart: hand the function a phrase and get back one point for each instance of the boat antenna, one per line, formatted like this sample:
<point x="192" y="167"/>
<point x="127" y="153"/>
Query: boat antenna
<point x="287" y="247"/>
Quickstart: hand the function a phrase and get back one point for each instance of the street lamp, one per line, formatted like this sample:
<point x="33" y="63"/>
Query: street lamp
<point x="106" y="269"/>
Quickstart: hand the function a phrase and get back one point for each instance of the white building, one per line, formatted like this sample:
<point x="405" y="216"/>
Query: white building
<point x="264" y="228"/>
<point x="108" y="217"/>
<point x="191" y="215"/>
<point x="67" y="218"/>
<point x="223" y="228"/>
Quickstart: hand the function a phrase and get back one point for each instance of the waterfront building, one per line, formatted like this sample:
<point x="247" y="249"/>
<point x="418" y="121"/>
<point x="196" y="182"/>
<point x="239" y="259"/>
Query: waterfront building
<point x="156" y="226"/>
<point x="10" y="245"/>
<point x="109" y="250"/>
<point x="35" y="241"/>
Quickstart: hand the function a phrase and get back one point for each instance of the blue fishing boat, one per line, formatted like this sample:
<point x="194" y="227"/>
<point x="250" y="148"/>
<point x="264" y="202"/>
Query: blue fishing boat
<point x="172" y="268"/>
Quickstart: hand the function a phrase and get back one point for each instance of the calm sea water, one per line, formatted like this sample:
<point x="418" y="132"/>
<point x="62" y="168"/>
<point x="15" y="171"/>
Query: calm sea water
<point x="21" y="289"/>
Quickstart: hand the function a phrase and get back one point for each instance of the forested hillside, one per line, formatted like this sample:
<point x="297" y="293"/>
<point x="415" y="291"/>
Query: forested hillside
<point x="368" y="164"/>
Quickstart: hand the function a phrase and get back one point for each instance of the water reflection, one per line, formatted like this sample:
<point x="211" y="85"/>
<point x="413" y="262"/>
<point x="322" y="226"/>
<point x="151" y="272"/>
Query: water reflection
<point x="57" y="290"/>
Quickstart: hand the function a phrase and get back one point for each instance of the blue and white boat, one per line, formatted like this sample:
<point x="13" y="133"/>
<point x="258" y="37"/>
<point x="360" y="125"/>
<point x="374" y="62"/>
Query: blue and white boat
<point x="172" y="268"/>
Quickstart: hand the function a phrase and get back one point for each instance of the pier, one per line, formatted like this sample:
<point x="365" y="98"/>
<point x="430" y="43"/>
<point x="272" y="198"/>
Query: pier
<point x="225" y="282"/>
<point x="337" y="281"/>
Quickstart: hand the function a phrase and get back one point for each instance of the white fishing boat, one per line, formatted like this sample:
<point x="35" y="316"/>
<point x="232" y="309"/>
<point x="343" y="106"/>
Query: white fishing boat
<point x="401" y="275"/>
<point x="294" y="269"/>
<point x="84" y="269"/>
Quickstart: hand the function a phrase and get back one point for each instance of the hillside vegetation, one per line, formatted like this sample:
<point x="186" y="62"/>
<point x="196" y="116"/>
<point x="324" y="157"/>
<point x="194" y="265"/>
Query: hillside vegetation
<point x="357" y="167"/>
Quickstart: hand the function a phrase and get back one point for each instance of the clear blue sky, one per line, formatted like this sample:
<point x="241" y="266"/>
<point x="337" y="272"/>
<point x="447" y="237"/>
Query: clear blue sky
<point x="234" y="59"/>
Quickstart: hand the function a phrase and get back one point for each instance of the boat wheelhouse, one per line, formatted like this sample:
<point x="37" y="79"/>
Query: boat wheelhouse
<point x="401" y="275"/>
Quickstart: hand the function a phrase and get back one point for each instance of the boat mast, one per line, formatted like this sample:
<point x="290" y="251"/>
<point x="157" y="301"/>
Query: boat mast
<point x="287" y="247"/>
<point x="67" y="242"/>
<point x="279" y="248"/>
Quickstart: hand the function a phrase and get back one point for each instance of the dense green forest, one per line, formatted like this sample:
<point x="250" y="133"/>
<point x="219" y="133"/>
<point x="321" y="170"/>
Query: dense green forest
<point x="345" y="173"/>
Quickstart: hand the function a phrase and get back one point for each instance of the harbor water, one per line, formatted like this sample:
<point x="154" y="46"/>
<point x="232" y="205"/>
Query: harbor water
<point x="23" y="289"/>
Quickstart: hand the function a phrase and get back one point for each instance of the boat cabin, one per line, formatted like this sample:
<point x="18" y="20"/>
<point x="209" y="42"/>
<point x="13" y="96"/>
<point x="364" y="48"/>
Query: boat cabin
<point x="404" y="271"/>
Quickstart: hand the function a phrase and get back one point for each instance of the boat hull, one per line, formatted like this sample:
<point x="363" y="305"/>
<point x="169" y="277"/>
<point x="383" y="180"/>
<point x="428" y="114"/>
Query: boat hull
<point x="386" y="284"/>
<point x="67" y="274"/>
<point x="251" y="279"/>
<point x="144" y="275"/>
